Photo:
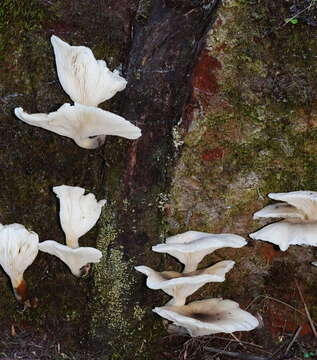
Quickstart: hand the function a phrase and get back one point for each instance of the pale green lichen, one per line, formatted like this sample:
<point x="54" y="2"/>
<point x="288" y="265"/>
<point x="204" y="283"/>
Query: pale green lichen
<point x="113" y="284"/>
<point x="138" y="314"/>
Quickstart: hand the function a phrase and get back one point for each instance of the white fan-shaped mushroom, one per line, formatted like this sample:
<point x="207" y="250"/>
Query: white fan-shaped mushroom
<point x="192" y="246"/>
<point x="284" y="234"/>
<point x="18" y="249"/>
<point x="300" y="220"/>
<point x="77" y="260"/>
<point x="211" y="316"/>
<point x="78" y="212"/>
<point x="280" y="210"/>
<point x="86" y="125"/>
<point x="182" y="285"/>
<point x="86" y="80"/>
<point x="304" y="201"/>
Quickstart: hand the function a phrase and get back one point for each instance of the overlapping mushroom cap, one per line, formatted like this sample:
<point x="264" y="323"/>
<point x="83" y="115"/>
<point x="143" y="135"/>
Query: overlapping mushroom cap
<point x="192" y="246"/>
<point x="86" y="80"/>
<point x="78" y="212"/>
<point x="299" y="226"/>
<point x="182" y="285"/>
<point x="86" y="125"/>
<point x="18" y="249"/>
<point x="211" y="316"/>
<point x="77" y="260"/>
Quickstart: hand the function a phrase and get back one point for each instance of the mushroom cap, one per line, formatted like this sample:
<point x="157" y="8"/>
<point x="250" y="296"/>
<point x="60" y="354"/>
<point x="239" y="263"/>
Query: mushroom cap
<point x="210" y="316"/>
<point x="86" y="125"/>
<point x="189" y="236"/>
<point x="86" y="80"/>
<point x="18" y="249"/>
<point x="78" y="212"/>
<point x="285" y="233"/>
<point x="192" y="246"/>
<point x="75" y="259"/>
<point x="304" y="201"/>
<point x="280" y="210"/>
<point x="182" y="285"/>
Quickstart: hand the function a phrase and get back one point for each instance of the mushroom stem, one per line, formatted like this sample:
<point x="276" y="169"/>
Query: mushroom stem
<point x="176" y="301"/>
<point x="21" y="292"/>
<point x="72" y="242"/>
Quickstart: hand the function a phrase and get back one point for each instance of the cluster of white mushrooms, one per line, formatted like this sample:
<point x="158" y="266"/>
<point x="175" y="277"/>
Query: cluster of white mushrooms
<point x="202" y="317"/>
<point x="299" y="227"/>
<point x="88" y="82"/>
<point x="19" y="247"/>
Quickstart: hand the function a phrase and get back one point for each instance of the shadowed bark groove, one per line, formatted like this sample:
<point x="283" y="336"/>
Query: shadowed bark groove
<point x="166" y="40"/>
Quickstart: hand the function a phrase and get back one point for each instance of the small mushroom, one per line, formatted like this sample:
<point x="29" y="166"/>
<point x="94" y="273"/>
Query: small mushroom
<point x="77" y="260"/>
<point x="210" y="316"/>
<point x="182" y="285"/>
<point x="18" y="249"/>
<point x="78" y="212"/>
<point x="192" y="246"/>
<point x="86" y="125"/>
<point x="299" y="226"/>
<point x="86" y="80"/>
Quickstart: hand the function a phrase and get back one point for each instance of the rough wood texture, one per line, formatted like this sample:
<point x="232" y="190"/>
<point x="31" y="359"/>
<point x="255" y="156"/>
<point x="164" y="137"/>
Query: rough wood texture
<point x="166" y="42"/>
<point x="248" y="128"/>
<point x="158" y="43"/>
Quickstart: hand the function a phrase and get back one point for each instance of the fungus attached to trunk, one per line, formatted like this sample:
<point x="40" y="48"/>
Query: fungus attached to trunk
<point x="86" y="125"/>
<point x="182" y="285"/>
<point x="210" y="316"/>
<point x="77" y="260"/>
<point x="18" y="249"/>
<point x="86" y="80"/>
<point x="192" y="246"/>
<point x="78" y="212"/>
<point x="299" y="227"/>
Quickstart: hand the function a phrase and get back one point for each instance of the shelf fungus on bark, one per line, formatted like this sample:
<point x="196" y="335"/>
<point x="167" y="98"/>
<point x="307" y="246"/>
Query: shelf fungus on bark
<point x="18" y="249"/>
<point x="86" y="80"/>
<point x="180" y="286"/>
<point x="299" y="227"/>
<point x="192" y="246"/>
<point x="210" y="316"/>
<point x="78" y="212"/>
<point x="78" y="260"/>
<point x="86" y="125"/>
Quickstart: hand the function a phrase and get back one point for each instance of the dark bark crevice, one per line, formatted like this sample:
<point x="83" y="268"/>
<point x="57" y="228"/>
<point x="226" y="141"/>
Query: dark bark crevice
<point x="164" y="49"/>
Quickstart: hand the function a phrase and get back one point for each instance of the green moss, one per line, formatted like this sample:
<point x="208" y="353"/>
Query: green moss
<point x="18" y="19"/>
<point x="261" y="141"/>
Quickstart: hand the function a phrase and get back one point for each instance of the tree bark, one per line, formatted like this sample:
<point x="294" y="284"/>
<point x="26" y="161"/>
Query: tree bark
<point x="166" y="40"/>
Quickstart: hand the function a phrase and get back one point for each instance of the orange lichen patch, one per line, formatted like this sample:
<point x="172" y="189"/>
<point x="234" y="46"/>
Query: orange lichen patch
<point x="213" y="154"/>
<point x="21" y="291"/>
<point x="204" y="78"/>
<point x="268" y="252"/>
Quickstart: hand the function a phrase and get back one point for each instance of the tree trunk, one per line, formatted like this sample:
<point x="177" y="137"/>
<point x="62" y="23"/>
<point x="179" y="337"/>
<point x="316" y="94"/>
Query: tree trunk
<point x="225" y="95"/>
<point x="166" y="42"/>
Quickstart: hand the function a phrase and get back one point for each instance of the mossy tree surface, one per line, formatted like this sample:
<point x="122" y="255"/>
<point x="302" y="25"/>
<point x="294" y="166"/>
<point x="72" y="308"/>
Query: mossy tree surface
<point x="34" y="160"/>
<point x="134" y="176"/>
<point x="252" y="130"/>
<point x="165" y="44"/>
<point x="251" y="124"/>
